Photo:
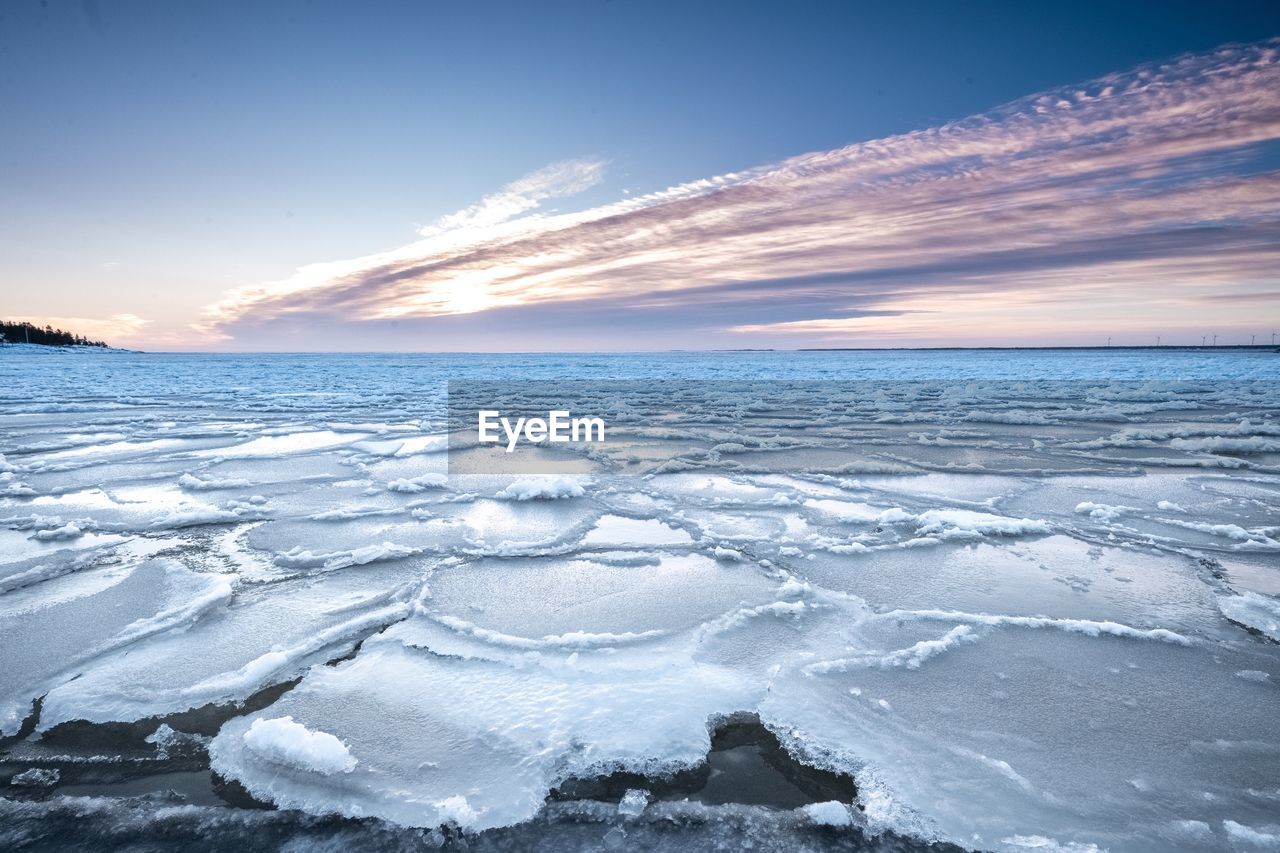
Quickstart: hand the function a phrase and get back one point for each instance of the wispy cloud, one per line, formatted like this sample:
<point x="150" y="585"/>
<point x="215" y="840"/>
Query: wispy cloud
<point x="1148" y="191"/>
<point x="558" y="180"/>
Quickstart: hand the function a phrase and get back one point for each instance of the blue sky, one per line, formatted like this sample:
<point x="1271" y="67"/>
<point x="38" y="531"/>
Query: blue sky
<point x="161" y="156"/>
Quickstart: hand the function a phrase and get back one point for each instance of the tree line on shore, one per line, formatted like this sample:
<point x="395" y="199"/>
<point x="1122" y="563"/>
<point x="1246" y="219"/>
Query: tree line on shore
<point x="29" y="333"/>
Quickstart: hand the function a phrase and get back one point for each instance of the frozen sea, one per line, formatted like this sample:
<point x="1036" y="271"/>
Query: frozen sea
<point x="864" y="600"/>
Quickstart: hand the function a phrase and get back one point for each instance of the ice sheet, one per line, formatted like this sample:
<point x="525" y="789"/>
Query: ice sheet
<point x="1044" y="618"/>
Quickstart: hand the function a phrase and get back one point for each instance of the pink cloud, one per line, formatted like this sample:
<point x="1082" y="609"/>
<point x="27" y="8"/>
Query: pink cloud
<point x="1137" y="191"/>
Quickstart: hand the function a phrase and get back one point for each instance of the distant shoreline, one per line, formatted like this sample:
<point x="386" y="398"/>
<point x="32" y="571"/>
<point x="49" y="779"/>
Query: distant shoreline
<point x="1151" y="347"/>
<point x="1261" y="348"/>
<point x="77" y="347"/>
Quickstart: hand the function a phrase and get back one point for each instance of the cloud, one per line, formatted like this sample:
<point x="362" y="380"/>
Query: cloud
<point x="1141" y="191"/>
<point x="558" y="180"/>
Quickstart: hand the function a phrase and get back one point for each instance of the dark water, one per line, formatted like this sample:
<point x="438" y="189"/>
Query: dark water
<point x="742" y="797"/>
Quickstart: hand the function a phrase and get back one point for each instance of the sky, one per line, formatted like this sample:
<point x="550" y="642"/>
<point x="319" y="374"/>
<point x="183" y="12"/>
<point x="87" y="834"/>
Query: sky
<point x="640" y="176"/>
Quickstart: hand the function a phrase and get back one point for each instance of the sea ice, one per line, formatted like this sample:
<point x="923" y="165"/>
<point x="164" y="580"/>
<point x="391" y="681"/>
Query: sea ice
<point x="1028" y="615"/>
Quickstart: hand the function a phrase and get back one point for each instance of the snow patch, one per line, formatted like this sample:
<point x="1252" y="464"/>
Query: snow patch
<point x="282" y="741"/>
<point x="1248" y="837"/>
<point x="70" y="530"/>
<point x="297" y="558"/>
<point x="970" y="524"/>
<point x="1103" y="512"/>
<point x="413" y="485"/>
<point x="195" y="484"/>
<point x="542" y="489"/>
<point x="830" y="813"/>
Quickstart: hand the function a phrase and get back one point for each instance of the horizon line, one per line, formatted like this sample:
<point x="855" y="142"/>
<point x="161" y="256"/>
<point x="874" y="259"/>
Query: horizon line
<point x="1267" y="347"/>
